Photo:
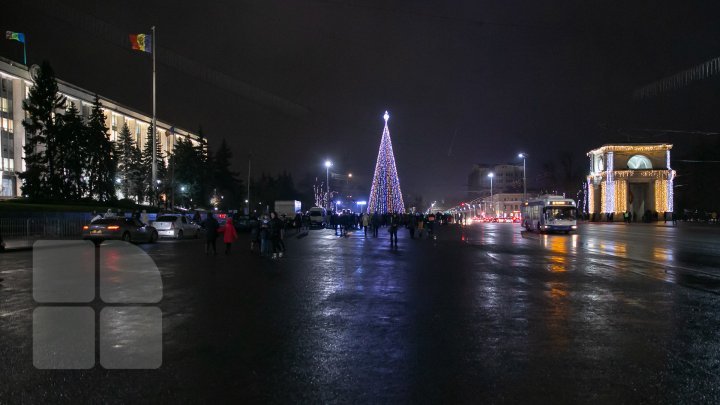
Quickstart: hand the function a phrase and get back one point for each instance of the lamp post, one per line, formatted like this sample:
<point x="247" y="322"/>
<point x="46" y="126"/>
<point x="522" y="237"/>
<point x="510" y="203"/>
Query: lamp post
<point x="523" y="156"/>
<point x="492" y="204"/>
<point x="327" y="181"/>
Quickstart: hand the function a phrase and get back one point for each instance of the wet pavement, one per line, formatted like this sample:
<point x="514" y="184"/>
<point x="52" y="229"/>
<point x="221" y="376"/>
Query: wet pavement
<point x="614" y="314"/>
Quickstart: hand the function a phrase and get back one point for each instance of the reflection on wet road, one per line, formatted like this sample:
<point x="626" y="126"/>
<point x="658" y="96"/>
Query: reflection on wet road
<point x="612" y="314"/>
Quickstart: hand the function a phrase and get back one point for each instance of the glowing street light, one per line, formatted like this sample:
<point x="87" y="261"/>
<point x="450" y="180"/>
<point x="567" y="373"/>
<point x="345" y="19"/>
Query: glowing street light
<point x="524" y="156"/>
<point x="328" y="164"/>
<point x="492" y="204"/>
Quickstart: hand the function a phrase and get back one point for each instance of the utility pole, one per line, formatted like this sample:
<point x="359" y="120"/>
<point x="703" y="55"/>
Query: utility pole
<point x="248" y="183"/>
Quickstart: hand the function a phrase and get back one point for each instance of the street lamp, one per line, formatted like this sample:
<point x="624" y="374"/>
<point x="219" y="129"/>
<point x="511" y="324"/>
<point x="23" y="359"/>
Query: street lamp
<point x="327" y="181"/>
<point x="492" y="204"/>
<point x="524" y="156"/>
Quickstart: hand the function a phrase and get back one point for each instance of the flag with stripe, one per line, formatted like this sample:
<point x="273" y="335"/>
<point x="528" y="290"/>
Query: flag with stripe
<point x="141" y="42"/>
<point x="15" y="36"/>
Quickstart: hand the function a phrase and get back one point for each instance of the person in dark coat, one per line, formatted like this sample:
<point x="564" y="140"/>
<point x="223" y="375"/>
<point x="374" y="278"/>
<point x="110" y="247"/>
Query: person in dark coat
<point x="393" y="224"/>
<point x="211" y="226"/>
<point x="375" y="224"/>
<point x="276" y="226"/>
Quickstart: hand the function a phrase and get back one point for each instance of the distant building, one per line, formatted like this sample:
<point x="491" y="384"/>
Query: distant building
<point x="15" y="84"/>
<point x="635" y="178"/>
<point x="506" y="178"/>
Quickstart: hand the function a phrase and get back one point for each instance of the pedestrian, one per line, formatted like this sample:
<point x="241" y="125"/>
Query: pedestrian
<point x="254" y="234"/>
<point x="393" y="225"/>
<point x="298" y="222"/>
<point x="144" y="218"/>
<point x="196" y="217"/>
<point x="211" y="226"/>
<point x="411" y="225"/>
<point x="265" y="248"/>
<point x="431" y="226"/>
<point x="365" y="222"/>
<point x="229" y="234"/>
<point x="375" y="224"/>
<point x="306" y="223"/>
<point x="420" y="223"/>
<point x="275" y="233"/>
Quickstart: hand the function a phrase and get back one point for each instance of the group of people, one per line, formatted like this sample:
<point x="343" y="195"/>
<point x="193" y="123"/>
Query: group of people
<point x="268" y="233"/>
<point x="213" y="229"/>
<point x="418" y="225"/>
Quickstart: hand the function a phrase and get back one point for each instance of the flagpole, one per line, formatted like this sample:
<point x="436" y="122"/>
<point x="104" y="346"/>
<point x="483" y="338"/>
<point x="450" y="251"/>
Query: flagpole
<point x="154" y="119"/>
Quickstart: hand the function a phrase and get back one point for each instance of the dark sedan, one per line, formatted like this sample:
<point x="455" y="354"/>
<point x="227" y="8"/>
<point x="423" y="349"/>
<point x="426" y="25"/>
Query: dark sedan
<point x="127" y="229"/>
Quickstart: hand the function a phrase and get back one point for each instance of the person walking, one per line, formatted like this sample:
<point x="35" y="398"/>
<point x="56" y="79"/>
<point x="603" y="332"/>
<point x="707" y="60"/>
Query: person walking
<point x="393" y="225"/>
<point x="275" y="229"/>
<point x="211" y="226"/>
<point x="265" y="237"/>
<point x="420" y="224"/>
<point x="254" y="234"/>
<point x="375" y="224"/>
<point x="365" y="222"/>
<point x="229" y="234"/>
<point x="431" y="226"/>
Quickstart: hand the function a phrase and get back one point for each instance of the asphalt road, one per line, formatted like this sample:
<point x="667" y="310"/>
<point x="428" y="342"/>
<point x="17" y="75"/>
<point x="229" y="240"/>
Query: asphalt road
<point x="613" y="314"/>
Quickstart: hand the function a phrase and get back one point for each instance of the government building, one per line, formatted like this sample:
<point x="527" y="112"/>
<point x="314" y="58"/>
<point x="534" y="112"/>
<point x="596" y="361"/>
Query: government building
<point x="15" y="84"/>
<point x="630" y="178"/>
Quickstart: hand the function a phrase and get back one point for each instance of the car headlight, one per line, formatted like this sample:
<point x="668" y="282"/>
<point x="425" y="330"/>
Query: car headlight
<point x="573" y="227"/>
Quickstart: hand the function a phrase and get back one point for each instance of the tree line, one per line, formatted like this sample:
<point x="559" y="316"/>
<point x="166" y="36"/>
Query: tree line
<point x="70" y="158"/>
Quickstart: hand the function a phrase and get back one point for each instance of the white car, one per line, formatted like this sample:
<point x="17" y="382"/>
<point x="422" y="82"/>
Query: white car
<point x="317" y="216"/>
<point x="176" y="226"/>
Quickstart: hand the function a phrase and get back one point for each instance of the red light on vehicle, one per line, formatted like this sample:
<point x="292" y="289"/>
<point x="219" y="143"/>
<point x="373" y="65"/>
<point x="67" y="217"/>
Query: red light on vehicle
<point x="113" y="227"/>
<point x="85" y="228"/>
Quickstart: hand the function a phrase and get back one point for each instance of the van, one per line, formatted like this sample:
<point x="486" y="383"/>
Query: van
<point x="317" y="217"/>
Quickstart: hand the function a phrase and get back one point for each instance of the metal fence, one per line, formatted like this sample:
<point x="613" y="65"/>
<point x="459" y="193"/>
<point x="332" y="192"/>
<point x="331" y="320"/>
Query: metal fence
<point x="23" y="232"/>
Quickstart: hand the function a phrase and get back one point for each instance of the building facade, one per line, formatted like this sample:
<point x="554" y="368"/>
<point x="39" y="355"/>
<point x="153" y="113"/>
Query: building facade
<point x="632" y="178"/>
<point x="15" y="84"/>
<point x="506" y="178"/>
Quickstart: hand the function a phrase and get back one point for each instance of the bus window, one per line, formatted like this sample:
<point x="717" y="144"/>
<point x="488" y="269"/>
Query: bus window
<point x="561" y="213"/>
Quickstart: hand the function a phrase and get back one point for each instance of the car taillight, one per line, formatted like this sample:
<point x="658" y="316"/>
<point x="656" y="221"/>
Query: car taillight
<point x="113" y="227"/>
<point x="85" y="228"/>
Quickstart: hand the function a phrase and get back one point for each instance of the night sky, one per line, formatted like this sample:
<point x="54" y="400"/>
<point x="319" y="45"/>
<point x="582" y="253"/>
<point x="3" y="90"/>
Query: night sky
<point x="465" y="81"/>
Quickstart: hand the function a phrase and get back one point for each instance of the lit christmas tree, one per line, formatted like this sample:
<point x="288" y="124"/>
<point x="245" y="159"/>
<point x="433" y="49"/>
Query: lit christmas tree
<point x="385" y="194"/>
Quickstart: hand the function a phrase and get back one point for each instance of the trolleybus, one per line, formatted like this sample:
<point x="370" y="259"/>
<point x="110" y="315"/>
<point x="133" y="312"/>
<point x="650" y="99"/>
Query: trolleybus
<point x="550" y="213"/>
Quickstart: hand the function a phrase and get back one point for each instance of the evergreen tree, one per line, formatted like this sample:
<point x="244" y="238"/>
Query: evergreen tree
<point x="40" y="180"/>
<point x="136" y="174"/>
<point x="71" y="154"/>
<point x="189" y="163"/>
<point x="102" y="159"/>
<point x="124" y="150"/>
<point x="152" y="190"/>
<point x="224" y="180"/>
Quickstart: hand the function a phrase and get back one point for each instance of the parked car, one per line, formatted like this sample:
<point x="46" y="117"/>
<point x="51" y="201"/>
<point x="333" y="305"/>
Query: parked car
<point x="317" y="217"/>
<point x="176" y="226"/>
<point x="127" y="229"/>
<point x="244" y="223"/>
